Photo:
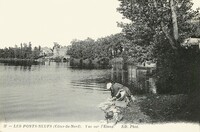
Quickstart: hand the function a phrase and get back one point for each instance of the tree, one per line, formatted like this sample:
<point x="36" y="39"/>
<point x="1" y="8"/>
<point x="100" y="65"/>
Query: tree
<point x="163" y="25"/>
<point x="36" y="52"/>
<point x="22" y="52"/>
<point x="106" y="47"/>
<point x="88" y="48"/>
<point x="151" y="18"/>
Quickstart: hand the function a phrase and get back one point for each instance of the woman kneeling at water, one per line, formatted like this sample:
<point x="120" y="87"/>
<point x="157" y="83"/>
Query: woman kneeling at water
<point x="119" y="92"/>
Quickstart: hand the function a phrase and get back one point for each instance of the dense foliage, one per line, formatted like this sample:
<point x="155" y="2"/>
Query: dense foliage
<point x="163" y="25"/>
<point x="152" y="21"/>
<point x="107" y="47"/>
<point x="23" y="52"/>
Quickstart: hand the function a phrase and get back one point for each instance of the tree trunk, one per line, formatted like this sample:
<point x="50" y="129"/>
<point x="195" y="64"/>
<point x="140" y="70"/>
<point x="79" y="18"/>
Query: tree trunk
<point x="174" y="19"/>
<point x="166" y="31"/>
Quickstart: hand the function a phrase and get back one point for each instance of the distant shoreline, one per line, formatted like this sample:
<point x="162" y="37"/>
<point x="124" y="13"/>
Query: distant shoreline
<point x="19" y="62"/>
<point x="16" y="59"/>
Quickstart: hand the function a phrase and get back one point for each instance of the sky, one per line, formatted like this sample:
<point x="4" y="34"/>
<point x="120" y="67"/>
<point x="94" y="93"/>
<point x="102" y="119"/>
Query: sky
<point x="43" y="22"/>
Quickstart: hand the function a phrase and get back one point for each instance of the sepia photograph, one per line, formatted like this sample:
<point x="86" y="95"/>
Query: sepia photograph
<point x="99" y="65"/>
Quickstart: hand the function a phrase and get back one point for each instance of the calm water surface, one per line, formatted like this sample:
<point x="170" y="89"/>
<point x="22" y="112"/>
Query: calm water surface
<point x="52" y="92"/>
<point x="56" y="92"/>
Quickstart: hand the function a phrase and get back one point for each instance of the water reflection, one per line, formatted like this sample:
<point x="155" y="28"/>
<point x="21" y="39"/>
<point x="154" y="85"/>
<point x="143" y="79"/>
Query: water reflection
<point x="22" y="65"/>
<point x="56" y="92"/>
<point x="30" y="65"/>
<point x="140" y="80"/>
<point x="52" y="92"/>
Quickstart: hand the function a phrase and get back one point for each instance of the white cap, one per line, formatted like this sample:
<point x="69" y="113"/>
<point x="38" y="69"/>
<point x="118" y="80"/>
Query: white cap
<point x="108" y="85"/>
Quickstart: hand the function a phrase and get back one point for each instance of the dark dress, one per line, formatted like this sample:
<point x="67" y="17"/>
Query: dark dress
<point x="116" y="87"/>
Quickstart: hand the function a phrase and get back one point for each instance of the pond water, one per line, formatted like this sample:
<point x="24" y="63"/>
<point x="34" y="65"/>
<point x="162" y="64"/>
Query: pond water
<point x="55" y="92"/>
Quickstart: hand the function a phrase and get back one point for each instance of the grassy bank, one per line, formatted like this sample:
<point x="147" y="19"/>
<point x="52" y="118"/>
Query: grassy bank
<point x="163" y="108"/>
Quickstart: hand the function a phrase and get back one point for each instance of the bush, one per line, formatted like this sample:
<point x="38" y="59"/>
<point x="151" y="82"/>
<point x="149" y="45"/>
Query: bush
<point x="178" y="71"/>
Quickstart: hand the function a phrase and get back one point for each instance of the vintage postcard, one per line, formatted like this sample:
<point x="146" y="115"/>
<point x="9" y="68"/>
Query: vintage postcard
<point x="99" y="65"/>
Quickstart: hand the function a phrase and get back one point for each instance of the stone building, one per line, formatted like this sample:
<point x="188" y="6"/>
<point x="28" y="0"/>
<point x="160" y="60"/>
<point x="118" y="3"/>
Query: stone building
<point x="60" y="52"/>
<point x="46" y="52"/>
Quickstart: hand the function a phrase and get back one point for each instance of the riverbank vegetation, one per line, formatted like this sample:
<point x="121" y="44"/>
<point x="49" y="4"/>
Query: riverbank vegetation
<point x="104" y="51"/>
<point x="165" y="25"/>
<point x="163" y="108"/>
<point x="96" y="53"/>
<point x="24" y="52"/>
